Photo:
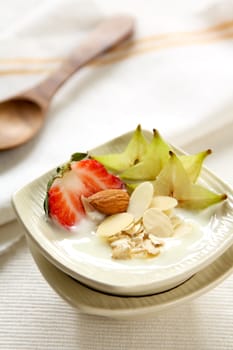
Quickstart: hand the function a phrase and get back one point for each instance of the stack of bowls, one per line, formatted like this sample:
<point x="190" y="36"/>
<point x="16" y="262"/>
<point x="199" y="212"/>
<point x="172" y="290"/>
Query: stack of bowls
<point x="84" y="274"/>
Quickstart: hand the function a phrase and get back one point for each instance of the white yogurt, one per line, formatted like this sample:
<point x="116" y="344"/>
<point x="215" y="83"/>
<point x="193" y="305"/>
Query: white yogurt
<point x="82" y="244"/>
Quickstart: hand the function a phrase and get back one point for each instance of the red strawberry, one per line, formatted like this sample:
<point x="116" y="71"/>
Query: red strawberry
<point x="84" y="177"/>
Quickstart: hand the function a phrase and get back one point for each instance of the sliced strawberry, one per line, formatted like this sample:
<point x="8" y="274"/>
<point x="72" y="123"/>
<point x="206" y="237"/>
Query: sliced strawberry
<point x="84" y="177"/>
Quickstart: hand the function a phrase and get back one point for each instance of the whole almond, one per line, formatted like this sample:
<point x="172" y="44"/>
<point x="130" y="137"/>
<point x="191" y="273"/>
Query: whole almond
<point x="110" y="201"/>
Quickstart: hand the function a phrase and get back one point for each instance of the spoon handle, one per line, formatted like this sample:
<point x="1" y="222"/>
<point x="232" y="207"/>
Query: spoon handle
<point x="107" y="34"/>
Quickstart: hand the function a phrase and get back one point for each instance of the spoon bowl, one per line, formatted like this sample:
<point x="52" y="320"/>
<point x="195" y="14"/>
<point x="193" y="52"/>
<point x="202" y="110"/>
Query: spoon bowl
<point x="20" y="120"/>
<point x="22" y="116"/>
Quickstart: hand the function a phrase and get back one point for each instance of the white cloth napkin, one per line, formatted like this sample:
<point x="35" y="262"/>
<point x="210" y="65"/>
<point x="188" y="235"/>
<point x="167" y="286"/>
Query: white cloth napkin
<point x="176" y="76"/>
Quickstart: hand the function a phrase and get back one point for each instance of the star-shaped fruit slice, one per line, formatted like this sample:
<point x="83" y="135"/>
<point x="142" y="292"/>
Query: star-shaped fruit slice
<point x="174" y="181"/>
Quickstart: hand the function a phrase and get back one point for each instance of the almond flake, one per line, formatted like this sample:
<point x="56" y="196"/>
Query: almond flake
<point x="121" y="242"/>
<point x="113" y="224"/>
<point x="140" y="199"/>
<point x="150" y="248"/>
<point x="116" y="237"/>
<point x="139" y="253"/>
<point x="157" y="223"/>
<point x="121" y="252"/>
<point x="163" y="203"/>
<point x="156" y="242"/>
<point x="137" y="250"/>
<point x="135" y="229"/>
<point x="138" y="239"/>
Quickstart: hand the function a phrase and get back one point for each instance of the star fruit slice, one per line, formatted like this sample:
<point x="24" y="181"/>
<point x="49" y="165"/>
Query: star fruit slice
<point x="155" y="158"/>
<point x="133" y="153"/>
<point x="174" y="181"/>
<point x="193" y="163"/>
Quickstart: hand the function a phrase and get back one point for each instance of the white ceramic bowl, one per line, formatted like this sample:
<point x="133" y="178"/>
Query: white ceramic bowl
<point x="83" y="256"/>
<point x="92" y="302"/>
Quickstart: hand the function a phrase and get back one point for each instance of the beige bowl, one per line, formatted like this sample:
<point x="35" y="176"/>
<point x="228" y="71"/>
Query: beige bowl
<point x="93" y="302"/>
<point x="82" y="255"/>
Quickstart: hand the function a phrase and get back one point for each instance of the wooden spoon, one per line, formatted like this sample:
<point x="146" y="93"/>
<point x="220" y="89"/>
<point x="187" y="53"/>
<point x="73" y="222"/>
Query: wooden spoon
<point x="22" y="116"/>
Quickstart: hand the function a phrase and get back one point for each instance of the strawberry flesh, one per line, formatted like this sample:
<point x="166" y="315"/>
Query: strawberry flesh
<point x="83" y="178"/>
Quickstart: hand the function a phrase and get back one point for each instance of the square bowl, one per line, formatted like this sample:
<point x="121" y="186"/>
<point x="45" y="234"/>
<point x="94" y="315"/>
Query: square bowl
<point x="93" y="302"/>
<point x="83" y="256"/>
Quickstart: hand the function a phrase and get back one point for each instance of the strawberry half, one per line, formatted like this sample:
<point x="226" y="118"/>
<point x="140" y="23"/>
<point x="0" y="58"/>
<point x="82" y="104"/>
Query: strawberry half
<point x="77" y="178"/>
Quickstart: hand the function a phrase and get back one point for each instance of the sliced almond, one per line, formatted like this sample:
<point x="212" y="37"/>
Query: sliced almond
<point x="138" y="251"/>
<point x="130" y="227"/>
<point x="157" y="223"/>
<point x="135" y="229"/>
<point x="150" y="248"/>
<point x="125" y="242"/>
<point x="156" y="242"/>
<point x="114" y="238"/>
<point x="140" y="199"/>
<point x="121" y="253"/>
<point x="138" y="239"/>
<point x="113" y="224"/>
<point x="121" y="249"/>
<point x="164" y="203"/>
